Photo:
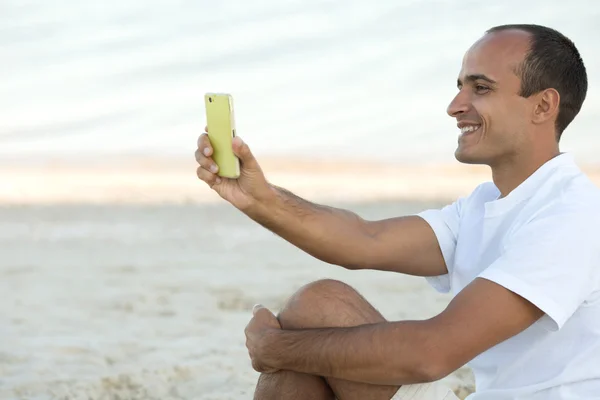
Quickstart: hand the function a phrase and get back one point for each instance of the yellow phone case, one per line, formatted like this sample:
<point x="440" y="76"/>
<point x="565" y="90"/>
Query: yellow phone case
<point x="221" y="131"/>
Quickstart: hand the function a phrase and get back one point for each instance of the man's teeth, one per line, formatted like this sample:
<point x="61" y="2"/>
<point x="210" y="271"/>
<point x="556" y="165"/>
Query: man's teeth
<point x="469" y="128"/>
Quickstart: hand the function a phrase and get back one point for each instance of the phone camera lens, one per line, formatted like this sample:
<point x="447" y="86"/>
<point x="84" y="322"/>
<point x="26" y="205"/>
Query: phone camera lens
<point x="210" y="99"/>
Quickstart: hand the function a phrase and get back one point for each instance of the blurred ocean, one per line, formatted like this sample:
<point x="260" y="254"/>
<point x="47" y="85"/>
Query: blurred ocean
<point x="335" y="78"/>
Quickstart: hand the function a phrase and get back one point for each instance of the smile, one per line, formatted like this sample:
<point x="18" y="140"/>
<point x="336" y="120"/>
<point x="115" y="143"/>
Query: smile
<point x="469" y="128"/>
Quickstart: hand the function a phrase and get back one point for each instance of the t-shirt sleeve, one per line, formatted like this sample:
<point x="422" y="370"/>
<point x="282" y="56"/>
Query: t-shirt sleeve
<point x="553" y="261"/>
<point x="445" y="223"/>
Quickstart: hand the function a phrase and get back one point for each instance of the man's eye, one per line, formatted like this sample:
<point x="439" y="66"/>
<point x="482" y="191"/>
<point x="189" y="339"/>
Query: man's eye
<point x="481" y="88"/>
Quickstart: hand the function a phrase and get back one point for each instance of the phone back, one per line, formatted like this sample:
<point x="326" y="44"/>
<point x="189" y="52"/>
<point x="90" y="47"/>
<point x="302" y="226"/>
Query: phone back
<point x="221" y="131"/>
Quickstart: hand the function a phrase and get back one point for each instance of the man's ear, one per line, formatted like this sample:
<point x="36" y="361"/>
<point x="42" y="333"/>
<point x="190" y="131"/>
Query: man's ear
<point x="546" y="106"/>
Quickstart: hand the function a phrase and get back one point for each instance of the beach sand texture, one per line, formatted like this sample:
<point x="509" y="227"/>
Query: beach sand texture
<point x="144" y="293"/>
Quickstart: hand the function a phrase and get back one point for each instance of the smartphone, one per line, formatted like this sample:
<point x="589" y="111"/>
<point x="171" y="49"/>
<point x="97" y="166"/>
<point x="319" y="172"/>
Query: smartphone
<point x="221" y="131"/>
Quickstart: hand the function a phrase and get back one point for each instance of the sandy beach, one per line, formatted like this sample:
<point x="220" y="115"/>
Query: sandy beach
<point x="135" y="282"/>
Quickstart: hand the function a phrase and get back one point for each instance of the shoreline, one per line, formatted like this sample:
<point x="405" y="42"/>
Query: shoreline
<point x="154" y="180"/>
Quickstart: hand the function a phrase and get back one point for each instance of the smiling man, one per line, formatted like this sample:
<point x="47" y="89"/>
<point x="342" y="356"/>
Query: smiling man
<point x="521" y="254"/>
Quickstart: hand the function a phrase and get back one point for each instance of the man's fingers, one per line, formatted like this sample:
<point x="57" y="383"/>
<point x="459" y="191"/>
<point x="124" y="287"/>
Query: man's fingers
<point x="241" y="149"/>
<point x="256" y="367"/>
<point x="206" y="162"/>
<point x="257" y="308"/>
<point x="204" y="145"/>
<point x="207" y="176"/>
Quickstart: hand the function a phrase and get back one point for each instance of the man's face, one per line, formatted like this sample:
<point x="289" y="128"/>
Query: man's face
<point x="494" y="121"/>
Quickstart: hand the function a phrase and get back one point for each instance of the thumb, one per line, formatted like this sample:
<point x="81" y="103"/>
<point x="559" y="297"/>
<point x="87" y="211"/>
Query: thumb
<point x="241" y="149"/>
<point x="256" y="308"/>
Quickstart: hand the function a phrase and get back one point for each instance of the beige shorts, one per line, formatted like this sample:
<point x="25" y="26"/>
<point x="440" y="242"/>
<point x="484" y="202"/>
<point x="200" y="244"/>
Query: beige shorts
<point x="425" y="391"/>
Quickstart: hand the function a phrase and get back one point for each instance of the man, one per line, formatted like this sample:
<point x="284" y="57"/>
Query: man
<point x="521" y="254"/>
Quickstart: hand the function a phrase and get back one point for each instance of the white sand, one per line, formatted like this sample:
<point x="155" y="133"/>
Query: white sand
<point x="144" y="294"/>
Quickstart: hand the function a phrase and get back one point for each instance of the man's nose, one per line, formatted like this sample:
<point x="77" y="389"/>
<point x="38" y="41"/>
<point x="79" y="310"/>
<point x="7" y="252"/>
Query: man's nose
<point x="459" y="105"/>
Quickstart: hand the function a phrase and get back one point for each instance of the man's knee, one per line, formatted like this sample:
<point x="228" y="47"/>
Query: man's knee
<point x="327" y="303"/>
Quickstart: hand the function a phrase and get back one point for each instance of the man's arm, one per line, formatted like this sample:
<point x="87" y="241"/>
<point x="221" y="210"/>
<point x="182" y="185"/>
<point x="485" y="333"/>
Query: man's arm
<point x="340" y="237"/>
<point x="399" y="353"/>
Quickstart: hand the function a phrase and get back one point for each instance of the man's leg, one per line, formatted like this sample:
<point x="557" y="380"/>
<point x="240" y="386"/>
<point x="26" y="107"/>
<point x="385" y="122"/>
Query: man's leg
<point x="324" y="303"/>
<point x="288" y="385"/>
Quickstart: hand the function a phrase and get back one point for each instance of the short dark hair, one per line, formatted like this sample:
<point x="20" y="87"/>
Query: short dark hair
<point x="553" y="61"/>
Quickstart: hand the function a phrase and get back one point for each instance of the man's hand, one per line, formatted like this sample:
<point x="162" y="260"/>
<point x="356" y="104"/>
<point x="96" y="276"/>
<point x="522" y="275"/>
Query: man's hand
<point x="261" y="326"/>
<point x="243" y="192"/>
<point x="484" y="314"/>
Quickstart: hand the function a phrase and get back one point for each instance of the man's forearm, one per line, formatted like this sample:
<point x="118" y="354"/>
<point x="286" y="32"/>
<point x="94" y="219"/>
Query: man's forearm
<point x="389" y="353"/>
<point x="330" y="234"/>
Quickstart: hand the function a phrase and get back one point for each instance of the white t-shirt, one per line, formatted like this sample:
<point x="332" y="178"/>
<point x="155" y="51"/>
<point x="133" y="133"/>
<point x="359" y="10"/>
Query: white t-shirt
<point x="542" y="241"/>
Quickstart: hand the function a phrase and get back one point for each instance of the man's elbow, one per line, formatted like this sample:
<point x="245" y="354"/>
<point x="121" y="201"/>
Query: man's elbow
<point x="427" y="368"/>
<point x="436" y="363"/>
<point x="431" y="370"/>
<point x="428" y="359"/>
<point x="361" y="258"/>
<point x="439" y="365"/>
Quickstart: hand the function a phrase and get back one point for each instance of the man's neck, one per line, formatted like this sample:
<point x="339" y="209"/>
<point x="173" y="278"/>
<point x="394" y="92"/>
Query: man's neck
<point x="509" y="175"/>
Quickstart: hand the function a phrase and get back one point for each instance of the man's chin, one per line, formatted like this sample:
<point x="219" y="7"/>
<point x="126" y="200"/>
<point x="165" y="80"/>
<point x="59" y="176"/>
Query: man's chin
<point x="465" y="157"/>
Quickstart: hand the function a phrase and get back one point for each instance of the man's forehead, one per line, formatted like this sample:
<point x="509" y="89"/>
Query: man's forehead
<point x="496" y="54"/>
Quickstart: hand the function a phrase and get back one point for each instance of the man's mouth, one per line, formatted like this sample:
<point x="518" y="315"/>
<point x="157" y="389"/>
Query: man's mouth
<point x="468" y="129"/>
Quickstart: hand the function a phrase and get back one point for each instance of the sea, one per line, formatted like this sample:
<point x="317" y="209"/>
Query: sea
<point x="353" y="79"/>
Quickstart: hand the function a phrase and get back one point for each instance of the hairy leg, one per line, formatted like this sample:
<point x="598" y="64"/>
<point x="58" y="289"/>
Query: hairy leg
<point x="320" y="304"/>
<point x="288" y="385"/>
